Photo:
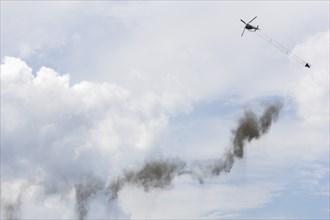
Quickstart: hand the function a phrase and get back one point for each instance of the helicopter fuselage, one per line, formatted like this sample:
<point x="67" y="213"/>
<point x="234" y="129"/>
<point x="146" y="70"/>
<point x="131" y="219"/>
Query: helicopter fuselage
<point x="250" y="27"/>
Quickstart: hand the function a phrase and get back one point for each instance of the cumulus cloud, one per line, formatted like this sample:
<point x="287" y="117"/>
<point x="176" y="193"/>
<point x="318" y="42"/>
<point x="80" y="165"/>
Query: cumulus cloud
<point x="68" y="131"/>
<point x="83" y="141"/>
<point x="311" y="90"/>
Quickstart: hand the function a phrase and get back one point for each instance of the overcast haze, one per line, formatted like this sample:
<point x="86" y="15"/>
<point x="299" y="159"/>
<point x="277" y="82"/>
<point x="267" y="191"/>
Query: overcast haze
<point x="97" y="95"/>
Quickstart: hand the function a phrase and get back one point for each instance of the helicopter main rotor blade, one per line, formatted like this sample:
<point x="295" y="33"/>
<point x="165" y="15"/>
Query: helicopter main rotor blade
<point x="243" y="32"/>
<point x="252" y="19"/>
<point x="243" y="21"/>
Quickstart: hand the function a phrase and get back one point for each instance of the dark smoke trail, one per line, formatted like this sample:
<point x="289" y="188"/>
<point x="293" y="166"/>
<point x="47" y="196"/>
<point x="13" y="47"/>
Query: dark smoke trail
<point x="88" y="188"/>
<point x="114" y="187"/>
<point x="223" y="164"/>
<point x="247" y="130"/>
<point x="249" y="127"/>
<point x="154" y="174"/>
<point x="270" y="115"/>
<point x="159" y="174"/>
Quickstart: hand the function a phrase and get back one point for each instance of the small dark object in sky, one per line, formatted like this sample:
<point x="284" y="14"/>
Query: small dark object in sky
<point x="276" y="44"/>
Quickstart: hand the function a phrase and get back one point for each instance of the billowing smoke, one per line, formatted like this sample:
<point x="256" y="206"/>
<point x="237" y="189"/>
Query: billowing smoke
<point x="159" y="174"/>
<point x="249" y="127"/>
<point x="154" y="174"/>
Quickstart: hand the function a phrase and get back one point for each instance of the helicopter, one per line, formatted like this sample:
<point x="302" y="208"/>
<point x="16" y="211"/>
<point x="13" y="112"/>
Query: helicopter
<point x="276" y="44"/>
<point x="249" y="27"/>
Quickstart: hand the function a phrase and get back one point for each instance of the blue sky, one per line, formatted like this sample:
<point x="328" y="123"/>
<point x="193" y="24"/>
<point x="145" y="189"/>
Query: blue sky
<point x="91" y="88"/>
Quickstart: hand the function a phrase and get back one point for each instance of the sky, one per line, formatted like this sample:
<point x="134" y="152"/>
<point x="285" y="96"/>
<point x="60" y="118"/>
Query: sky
<point x="94" y="92"/>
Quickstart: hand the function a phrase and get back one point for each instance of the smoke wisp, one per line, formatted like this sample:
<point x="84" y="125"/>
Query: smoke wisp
<point x="85" y="190"/>
<point x="12" y="209"/>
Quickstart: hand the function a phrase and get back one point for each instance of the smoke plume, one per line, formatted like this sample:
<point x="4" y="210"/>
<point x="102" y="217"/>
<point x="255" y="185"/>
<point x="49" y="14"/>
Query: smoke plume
<point x="159" y="174"/>
<point x="249" y="127"/>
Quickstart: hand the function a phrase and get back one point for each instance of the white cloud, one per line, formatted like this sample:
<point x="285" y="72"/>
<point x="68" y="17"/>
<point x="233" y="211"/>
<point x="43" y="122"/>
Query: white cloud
<point x="67" y="131"/>
<point x="15" y="71"/>
<point x="312" y="88"/>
